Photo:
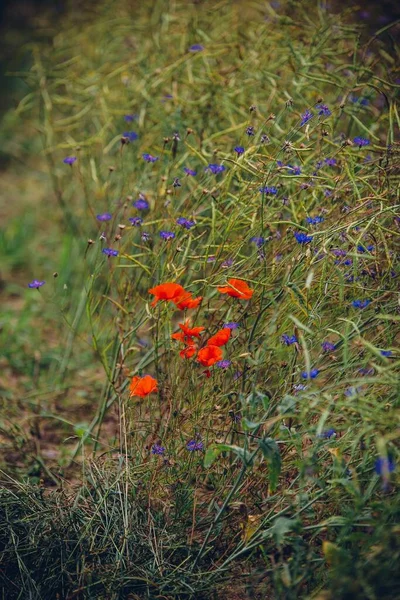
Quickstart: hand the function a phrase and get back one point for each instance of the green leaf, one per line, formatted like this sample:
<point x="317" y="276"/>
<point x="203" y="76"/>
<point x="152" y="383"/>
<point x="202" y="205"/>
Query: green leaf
<point x="270" y="451"/>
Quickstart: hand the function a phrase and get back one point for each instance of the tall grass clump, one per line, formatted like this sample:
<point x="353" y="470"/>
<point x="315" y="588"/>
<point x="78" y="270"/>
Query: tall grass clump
<point x="227" y="175"/>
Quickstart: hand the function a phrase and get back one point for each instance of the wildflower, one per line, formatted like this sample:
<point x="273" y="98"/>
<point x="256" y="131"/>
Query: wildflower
<point x="189" y="351"/>
<point x="294" y="170"/>
<point x="302" y="238"/>
<point x="307" y="116"/>
<point x="386" y="353"/>
<point x="211" y="259"/>
<point x="360" y="141"/>
<point x="384" y="465"/>
<point x="110" y="252"/>
<point x="187" y="333"/>
<point x="331" y="162"/>
<point x="186" y="301"/>
<point x="351" y="391"/>
<point x="141" y="204"/>
<point x="269" y="190"/>
<point x="364" y="249"/>
<point x="237" y="288"/>
<point x="129" y="118"/>
<point x="135" y="221"/>
<point x="185" y="222"/>
<point x="327" y="193"/>
<point x="220" y="338"/>
<point x="239" y="150"/>
<point x="149" y="158"/>
<point x="69" y="160"/>
<point x="327" y="434"/>
<point x="195" y="445"/>
<point x="366" y="371"/>
<point x="227" y="263"/>
<point x="209" y="355"/>
<point x="130" y="135"/>
<point x="214" y="168"/>
<point x="288" y="340"/>
<point x="264" y="139"/>
<point x="166" y="291"/>
<point x="299" y="387"/>
<point x="314" y="220"/>
<point x="328" y="346"/>
<point x="196" y="48"/>
<point x="360" y="303"/>
<point x="310" y="375"/>
<point x="250" y="130"/>
<point x="338" y="252"/>
<point x="158" y="449"/>
<point x="36" y="284"/>
<point x="190" y="171"/>
<point x="258" y="241"/>
<point x="176" y="183"/>
<point x="104" y="217"/>
<point x="224" y="364"/>
<point x="323" y="110"/>
<point x="145" y="236"/>
<point x="142" y="386"/>
<point x="231" y="325"/>
<point x="167" y="235"/>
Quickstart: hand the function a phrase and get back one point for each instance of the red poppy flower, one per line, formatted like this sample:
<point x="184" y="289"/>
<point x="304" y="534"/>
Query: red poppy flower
<point x="237" y="289"/>
<point x="220" y="338"/>
<point x="209" y="355"/>
<point x="186" y="300"/>
<point x="142" y="386"/>
<point x="189" y="351"/>
<point x="166" y="291"/>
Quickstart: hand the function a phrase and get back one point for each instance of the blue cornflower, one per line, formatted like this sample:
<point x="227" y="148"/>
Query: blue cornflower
<point x="363" y="249"/>
<point x="214" y="168"/>
<point x="331" y="162"/>
<point x="288" y="340"/>
<point x="314" y="220"/>
<point x="136" y="221"/>
<point x="360" y="303"/>
<point x="250" y="130"/>
<point x="386" y="353"/>
<point x="227" y="263"/>
<point x="110" y="252"/>
<point x="185" y="222"/>
<point x="360" y="141"/>
<point x="327" y="434"/>
<point x="231" y="325"/>
<point x="294" y="170"/>
<point x="149" y="158"/>
<point x="323" y="110"/>
<point x="167" y="235"/>
<point x="158" y="449"/>
<point x="69" y="160"/>
<point x="258" y="241"/>
<point x="351" y="391"/>
<point x="36" y="284"/>
<point x="141" y="204"/>
<point x="302" y="238"/>
<point x="145" y="236"/>
<point x="269" y="190"/>
<point x="189" y="171"/>
<point x="129" y="118"/>
<point x="223" y="364"/>
<point x="104" y="217"/>
<point x="327" y="193"/>
<point x="338" y="252"/>
<point x="196" y="48"/>
<point x="195" y="445"/>
<point x="328" y="346"/>
<point x="239" y="150"/>
<point x="130" y="135"/>
<point x="383" y="466"/>
<point x="307" y="116"/>
<point x="311" y="375"/>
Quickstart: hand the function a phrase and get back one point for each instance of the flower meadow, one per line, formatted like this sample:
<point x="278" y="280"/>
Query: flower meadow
<point x="212" y="301"/>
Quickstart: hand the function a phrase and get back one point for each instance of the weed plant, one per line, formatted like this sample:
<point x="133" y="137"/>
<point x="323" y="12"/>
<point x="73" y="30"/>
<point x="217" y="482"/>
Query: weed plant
<point x="232" y="168"/>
